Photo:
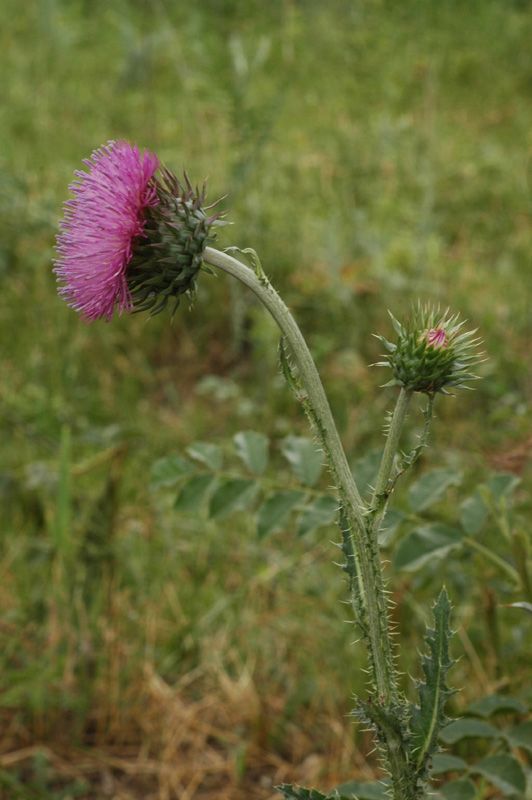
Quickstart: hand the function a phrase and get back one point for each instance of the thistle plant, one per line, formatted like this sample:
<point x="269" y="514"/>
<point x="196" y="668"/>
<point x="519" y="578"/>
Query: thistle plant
<point x="135" y="238"/>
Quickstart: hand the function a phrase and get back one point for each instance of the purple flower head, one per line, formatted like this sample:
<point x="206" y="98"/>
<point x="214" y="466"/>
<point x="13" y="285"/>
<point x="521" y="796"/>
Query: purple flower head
<point x="436" y="337"/>
<point x="99" y="226"/>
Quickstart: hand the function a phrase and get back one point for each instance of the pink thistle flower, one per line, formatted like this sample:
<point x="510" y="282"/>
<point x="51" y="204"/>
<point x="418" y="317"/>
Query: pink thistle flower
<point x="99" y="226"/>
<point x="436" y="337"/>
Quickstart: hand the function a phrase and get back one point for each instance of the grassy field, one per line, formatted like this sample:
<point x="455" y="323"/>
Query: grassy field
<point x="372" y="153"/>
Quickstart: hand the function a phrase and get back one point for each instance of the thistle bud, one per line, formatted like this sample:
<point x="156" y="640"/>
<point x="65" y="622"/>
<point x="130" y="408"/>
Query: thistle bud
<point x="432" y="352"/>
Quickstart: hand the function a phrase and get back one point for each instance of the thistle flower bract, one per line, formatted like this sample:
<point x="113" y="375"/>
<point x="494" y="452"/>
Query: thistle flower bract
<point x="432" y="352"/>
<point x="129" y="240"/>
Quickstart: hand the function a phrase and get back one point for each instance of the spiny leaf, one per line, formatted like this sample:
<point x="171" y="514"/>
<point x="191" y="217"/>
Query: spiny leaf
<point x="378" y="790"/>
<point x="429" y="717"/>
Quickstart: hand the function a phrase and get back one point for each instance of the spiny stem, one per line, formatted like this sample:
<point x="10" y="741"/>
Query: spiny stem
<point x="369" y="572"/>
<point x="384" y="475"/>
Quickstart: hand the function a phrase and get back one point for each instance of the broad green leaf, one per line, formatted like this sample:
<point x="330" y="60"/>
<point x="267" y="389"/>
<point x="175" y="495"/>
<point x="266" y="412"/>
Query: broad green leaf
<point x="502" y="484"/>
<point x="275" y="511"/>
<point x="233" y="494"/>
<point x="319" y="513"/>
<point x="521" y="736"/>
<point x="466" y="729"/>
<point x="430" y="542"/>
<point x="365" y="791"/>
<point x="473" y="514"/>
<point x="168" y="471"/>
<point x="462" y="789"/>
<point x="503" y="771"/>
<point x="494" y="703"/>
<point x="206" y="453"/>
<point x="443" y="762"/>
<point x="194" y="493"/>
<point x="305" y="460"/>
<point x="429" y="716"/>
<point x="252" y="447"/>
<point x="431" y="487"/>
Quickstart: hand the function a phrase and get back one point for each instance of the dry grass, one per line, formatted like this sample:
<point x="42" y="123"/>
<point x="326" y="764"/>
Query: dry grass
<point x="184" y="742"/>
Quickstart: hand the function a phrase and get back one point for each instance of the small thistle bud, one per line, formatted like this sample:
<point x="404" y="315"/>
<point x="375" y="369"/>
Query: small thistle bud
<point x="432" y="353"/>
<point x="132" y="237"/>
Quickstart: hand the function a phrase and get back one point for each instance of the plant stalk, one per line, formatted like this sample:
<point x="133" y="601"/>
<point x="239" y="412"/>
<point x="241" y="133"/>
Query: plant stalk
<point x="374" y="621"/>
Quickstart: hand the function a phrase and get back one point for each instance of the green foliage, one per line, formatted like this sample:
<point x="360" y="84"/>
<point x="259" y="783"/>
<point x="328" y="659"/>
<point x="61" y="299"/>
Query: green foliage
<point x="203" y="477"/>
<point x="428" y="718"/>
<point x="416" y="188"/>
<point x="431" y="487"/>
<point x="499" y="768"/>
<point x="426" y="544"/>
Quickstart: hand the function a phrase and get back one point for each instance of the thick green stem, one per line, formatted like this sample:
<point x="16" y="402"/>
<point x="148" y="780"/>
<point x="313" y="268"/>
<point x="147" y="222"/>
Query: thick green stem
<point x="371" y="599"/>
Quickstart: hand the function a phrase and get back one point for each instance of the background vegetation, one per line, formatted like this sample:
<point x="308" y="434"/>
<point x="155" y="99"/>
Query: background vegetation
<point x="372" y="152"/>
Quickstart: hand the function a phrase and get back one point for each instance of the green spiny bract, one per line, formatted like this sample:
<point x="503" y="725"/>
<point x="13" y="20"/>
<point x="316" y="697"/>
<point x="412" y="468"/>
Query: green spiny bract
<point x="428" y="718"/>
<point x="167" y="259"/>
<point x="431" y="354"/>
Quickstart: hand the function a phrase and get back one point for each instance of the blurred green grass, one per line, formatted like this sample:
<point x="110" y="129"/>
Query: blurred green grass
<point x="372" y="152"/>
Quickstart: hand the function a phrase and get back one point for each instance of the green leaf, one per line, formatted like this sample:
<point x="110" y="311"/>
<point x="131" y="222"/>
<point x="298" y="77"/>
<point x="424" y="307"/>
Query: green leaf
<point x="473" y="514"/>
<point x="503" y="771"/>
<point x="521" y="736"/>
<point x="206" y="453"/>
<point x="494" y="703"/>
<point x="168" y="471"/>
<point x="305" y="460"/>
<point x="429" y="717"/>
<point x="319" y="513"/>
<point x="233" y="494"/>
<point x="463" y="789"/>
<point x="365" y="469"/>
<point x="252" y="447"/>
<point x="426" y="544"/>
<point x="467" y="729"/>
<point x="390" y="524"/>
<point x="443" y="762"/>
<point x="431" y="487"/>
<point x="502" y="484"/>
<point x="273" y="514"/>
<point x="365" y="791"/>
<point x="194" y="493"/>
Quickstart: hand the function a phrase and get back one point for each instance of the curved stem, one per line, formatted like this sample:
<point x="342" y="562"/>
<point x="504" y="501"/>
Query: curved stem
<point x="370" y="605"/>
